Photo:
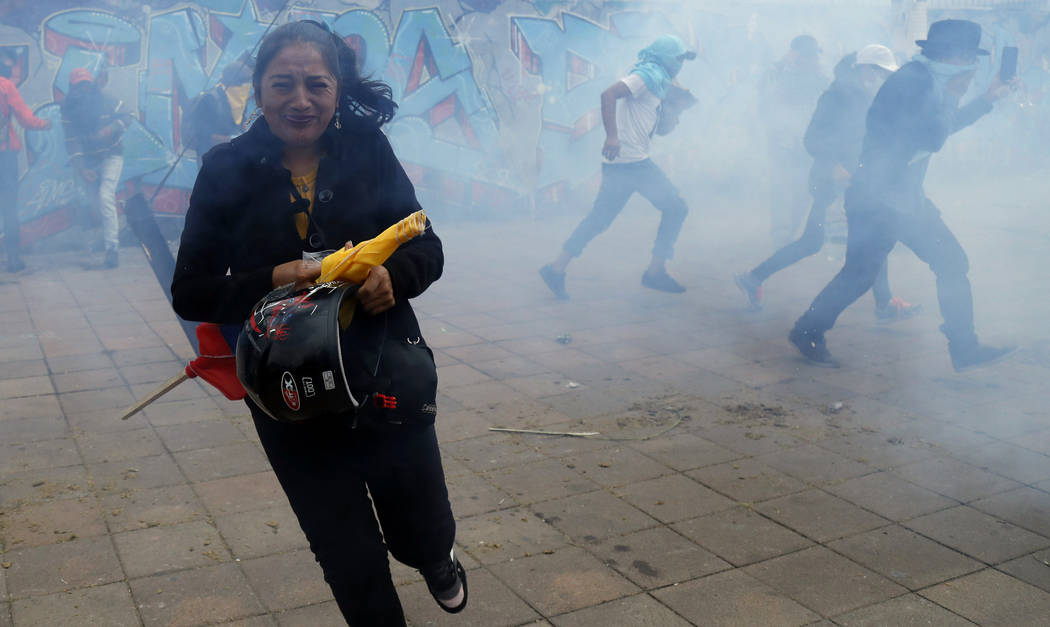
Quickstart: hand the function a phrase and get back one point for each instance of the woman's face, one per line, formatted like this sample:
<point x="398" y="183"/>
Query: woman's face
<point x="298" y="94"/>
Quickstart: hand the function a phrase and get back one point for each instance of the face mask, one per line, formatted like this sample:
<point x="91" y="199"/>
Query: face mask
<point x="674" y="66"/>
<point x="943" y="72"/>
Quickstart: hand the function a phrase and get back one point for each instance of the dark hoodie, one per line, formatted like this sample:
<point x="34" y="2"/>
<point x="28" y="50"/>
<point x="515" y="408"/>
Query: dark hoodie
<point x="836" y="130"/>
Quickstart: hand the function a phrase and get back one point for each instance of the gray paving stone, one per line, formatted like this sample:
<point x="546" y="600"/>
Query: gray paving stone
<point x="890" y="496"/>
<point x="139" y="509"/>
<point x="1024" y="507"/>
<point x="741" y="536"/>
<point x="616" y="466"/>
<point x="48" y="522"/>
<point x="733" y="598"/>
<point x="1033" y="568"/>
<point x="592" y="516"/>
<point x="955" y="479"/>
<point x="636" y="611"/>
<point x="658" y="557"/>
<point x="990" y="597"/>
<point x="566" y="580"/>
<point x="37" y="406"/>
<point x="116" y="446"/>
<point x="206" y="464"/>
<point x="906" y="611"/>
<point x="261" y="532"/>
<point x="240" y="493"/>
<point x="813" y="464"/>
<point x="196" y="435"/>
<point x="977" y="534"/>
<point x="59" y="567"/>
<point x="169" y="548"/>
<point x="287" y="580"/>
<point x="747" y="480"/>
<point x="540" y="481"/>
<point x="140" y="473"/>
<point x="109" y="605"/>
<point x="673" y="498"/>
<point x="326" y="613"/>
<point x="210" y="594"/>
<point x="824" y="581"/>
<point x="36" y="486"/>
<point x="473" y="494"/>
<point x="1010" y="461"/>
<point x="493" y="451"/>
<point x="905" y="557"/>
<point x="684" y="451"/>
<point x="508" y="534"/>
<point x="820" y="516"/>
<point x="491" y="603"/>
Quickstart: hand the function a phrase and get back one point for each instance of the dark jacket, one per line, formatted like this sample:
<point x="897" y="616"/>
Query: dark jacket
<point x="240" y="219"/>
<point x="905" y="125"/>
<point x="206" y="115"/>
<point x="94" y="124"/>
<point x="836" y="130"/>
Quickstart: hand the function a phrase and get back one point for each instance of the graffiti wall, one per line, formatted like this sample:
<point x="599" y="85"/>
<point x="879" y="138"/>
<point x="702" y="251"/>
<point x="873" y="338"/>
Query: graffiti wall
<point x="499" y="99"/>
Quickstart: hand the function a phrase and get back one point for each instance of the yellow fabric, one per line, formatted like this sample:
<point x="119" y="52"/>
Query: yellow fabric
<point x="305" y="184"/>
<point x="237" y="96"/>
<point x="353" y="264"/>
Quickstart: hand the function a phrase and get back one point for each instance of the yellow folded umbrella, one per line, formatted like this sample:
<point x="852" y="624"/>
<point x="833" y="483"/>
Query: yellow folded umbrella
<point x="353" y="264"/>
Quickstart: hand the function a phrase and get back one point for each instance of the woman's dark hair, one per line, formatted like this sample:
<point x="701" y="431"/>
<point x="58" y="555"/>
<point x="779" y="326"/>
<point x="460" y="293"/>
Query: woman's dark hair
<point x="362" y="101"/>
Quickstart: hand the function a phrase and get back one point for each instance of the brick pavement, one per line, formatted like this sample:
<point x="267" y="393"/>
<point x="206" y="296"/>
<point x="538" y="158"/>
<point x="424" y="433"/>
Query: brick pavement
<point x="727" y="486"/>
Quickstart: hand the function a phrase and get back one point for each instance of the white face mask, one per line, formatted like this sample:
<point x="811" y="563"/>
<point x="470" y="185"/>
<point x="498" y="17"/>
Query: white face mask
<point x="942" y="73"/>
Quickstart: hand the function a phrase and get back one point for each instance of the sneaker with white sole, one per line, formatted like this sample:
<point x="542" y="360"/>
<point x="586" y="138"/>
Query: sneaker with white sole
<point x="447" y="583"/>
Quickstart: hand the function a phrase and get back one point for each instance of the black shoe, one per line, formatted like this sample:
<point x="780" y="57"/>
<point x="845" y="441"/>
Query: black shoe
<point x="555" y="281"/>
<point x="661" y="281"/>
<point x="447" y="583"/>
<point x="975" y="355"/>
<point x="15" y="265"/>
<point x="111" y="258"/>
<point x="812" y="347"/>
<point x="751" y="288"/>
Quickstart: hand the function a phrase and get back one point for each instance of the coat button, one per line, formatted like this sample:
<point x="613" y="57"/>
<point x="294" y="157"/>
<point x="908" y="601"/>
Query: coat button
<point x="324" y="195"/>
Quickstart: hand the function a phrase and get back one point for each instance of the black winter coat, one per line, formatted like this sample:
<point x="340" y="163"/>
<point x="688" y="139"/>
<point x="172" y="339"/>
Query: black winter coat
<point x="240" y="223"/>
<point x="836" y="130"/>
<point x="906" y="124"/>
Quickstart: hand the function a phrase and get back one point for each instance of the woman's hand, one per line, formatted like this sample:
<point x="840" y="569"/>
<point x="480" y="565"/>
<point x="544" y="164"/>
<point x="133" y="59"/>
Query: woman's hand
<point x="300" y="272"/>
<point x="376" y="295"/>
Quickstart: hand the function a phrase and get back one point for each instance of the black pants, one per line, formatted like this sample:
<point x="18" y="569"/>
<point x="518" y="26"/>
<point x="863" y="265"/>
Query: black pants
<point x="9" y="203"/>
<point x="619" y="182"/>
<point x="328" y="471"/>
<point x="810" y="243"/>
<point x="873" y="231"/>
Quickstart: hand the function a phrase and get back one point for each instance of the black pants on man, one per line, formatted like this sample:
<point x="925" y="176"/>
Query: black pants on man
<point x="873" y="231"/>
<point x="810" y="243"/>
<point x="9" y="204"/>
<point x="328" y="471"/>
<point x="619" y="182"/>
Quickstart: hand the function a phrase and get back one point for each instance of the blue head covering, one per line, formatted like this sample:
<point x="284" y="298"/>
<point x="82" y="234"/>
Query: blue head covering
<point x="659" y="63"/>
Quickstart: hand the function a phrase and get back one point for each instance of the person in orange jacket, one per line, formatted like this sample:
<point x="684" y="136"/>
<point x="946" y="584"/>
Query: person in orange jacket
<point x="12" y="107"/>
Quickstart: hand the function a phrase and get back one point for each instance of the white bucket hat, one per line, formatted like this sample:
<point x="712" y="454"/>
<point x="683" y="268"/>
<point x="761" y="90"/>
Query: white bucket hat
<point x="881" y="56"/>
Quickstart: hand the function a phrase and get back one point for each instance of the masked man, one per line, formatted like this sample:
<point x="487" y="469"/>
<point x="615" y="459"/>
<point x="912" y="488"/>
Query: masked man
<point x="631" y="113"/>
<point x="833" y="139"/>
<point x="94" y="125"/>
<point x="910" y="119"/>
<point x="216" y="115"/>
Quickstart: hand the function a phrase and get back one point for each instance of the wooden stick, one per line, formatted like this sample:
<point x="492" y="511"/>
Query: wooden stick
<point x="578" y="434"/>
<point x="164" y="388"/>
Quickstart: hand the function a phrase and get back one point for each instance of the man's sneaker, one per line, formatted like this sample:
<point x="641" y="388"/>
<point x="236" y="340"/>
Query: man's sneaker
<point x="975" y="355"/>
<point x="751" y="288"/>
<point x="812" y="347"/>
<point x="447" y="583"/>
<point x="555" y="281"/>
<point x="661" y="281"/>
<point x="897" y="309"/>
<point x="111" y="258"/>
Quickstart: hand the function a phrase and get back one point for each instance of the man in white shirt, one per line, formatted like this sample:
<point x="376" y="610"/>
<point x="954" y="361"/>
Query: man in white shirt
<point x="631" y="113"/>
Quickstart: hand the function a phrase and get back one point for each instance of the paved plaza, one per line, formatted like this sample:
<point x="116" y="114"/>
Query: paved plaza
<point x="730" y="483"/>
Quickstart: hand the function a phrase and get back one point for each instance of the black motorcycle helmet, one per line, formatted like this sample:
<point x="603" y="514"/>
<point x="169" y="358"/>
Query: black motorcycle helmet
<point x="288" y="353"/>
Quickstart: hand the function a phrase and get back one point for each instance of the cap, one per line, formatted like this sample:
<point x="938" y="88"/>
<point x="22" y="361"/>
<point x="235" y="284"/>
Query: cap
<point x="881" y="56"/>
<point x="79" y="75"/>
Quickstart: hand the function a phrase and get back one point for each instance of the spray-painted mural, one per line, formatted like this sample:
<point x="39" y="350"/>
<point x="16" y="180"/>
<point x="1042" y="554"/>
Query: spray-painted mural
<point x="499" y="99"/>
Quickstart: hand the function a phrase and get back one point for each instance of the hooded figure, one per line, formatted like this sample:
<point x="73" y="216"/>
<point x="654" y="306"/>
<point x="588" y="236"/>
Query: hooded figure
<point x="632" y="111"/>
<point x="912" y="116"/>
<point x="833" y="139"/>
